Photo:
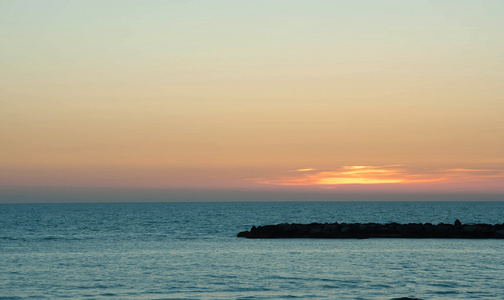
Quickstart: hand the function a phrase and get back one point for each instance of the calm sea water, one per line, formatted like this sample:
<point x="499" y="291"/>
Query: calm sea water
<point x="190" y="251"/>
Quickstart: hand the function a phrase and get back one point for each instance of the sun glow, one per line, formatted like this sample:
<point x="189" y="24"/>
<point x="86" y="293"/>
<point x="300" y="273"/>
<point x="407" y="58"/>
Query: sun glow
<point x="390" y="174"/>
<point x="332" y="181"/>
<point x="304" y="170"/>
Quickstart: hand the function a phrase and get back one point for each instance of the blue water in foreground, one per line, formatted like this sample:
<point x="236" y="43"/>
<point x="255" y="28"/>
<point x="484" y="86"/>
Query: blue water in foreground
<point x="190" y="251"/>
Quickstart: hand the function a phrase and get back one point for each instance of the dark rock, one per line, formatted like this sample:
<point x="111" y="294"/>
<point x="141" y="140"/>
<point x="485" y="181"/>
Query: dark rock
<point x="346" y="229"/>
<point x="375" y="230"/>
<point x="330" y="228"/>
<point x="244" y="234"/>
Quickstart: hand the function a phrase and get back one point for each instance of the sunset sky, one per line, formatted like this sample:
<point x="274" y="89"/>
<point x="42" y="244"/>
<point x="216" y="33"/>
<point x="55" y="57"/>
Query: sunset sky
<point x="261" y="95"/>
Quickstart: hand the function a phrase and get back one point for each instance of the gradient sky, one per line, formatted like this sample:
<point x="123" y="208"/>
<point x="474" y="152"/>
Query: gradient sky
<point x="340" y="95"/>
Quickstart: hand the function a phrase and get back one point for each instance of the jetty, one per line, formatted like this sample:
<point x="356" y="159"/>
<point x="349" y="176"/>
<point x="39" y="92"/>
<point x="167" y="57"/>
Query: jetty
<point x="456" y="230"/>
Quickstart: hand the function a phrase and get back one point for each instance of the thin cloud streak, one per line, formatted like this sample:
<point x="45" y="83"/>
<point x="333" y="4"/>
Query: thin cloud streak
<point x="303" y="170"/>
<point x="375" y="175"/>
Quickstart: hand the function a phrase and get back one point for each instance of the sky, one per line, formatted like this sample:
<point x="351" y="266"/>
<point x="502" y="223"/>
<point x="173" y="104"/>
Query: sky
<point x="282" y="95"/>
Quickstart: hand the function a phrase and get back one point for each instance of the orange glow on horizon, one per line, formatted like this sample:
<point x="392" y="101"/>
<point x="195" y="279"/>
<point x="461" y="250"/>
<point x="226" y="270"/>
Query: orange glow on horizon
<point x="375" y="175"/>
<point x="334" y="181"/>
<point x="304" y="170"/>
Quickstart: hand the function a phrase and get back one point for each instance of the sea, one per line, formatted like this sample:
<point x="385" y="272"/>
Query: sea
<point x="189" y="250"/>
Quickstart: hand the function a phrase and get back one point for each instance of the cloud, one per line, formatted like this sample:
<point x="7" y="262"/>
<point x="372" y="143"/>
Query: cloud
<point x="303" y="170"/>
<point x="388" y="174"/>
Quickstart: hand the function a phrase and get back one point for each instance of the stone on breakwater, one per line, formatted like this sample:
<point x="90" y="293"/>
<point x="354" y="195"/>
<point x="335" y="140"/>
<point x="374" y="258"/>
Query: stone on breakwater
<point x="375" y="230"/>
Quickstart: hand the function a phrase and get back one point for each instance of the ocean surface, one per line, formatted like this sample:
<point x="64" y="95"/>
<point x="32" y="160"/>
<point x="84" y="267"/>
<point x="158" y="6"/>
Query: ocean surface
<point x="190" y="251"/>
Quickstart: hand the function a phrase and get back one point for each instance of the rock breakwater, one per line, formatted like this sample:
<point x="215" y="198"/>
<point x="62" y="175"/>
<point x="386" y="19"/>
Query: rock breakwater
<point x="376" y="230"/>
